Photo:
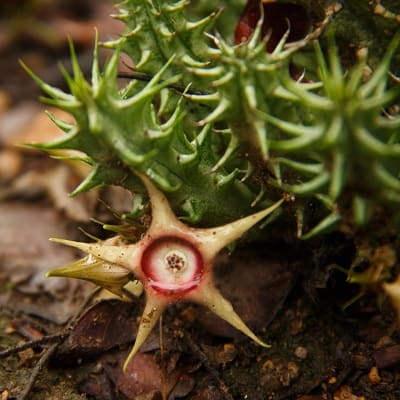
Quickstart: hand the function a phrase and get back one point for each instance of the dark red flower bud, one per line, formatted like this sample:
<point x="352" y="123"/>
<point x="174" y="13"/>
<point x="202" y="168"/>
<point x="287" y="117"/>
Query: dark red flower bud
<point x="278" y="18"/>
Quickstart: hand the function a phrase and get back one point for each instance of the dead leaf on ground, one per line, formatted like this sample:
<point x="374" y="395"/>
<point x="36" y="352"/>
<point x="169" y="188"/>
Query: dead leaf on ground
<point x="103" y="326"/>
<point x="15" y="121"/>
<point x="144" y="377"/>
<point x="257" y="284"/>
<point x="29" y="123"/>
<point x="57" y="181"/>
<point x="26" y="255"/>
<point x="25" y="251"/>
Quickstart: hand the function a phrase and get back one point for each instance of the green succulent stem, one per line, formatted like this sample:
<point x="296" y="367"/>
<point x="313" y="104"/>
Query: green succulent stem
<point x="223" y="129"/>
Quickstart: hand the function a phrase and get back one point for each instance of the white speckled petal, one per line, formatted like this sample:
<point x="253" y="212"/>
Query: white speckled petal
<point x="219" y="237"/>
<point x="125" y="256"/>
<point x="152" y="312"/>
<point x="209" y="296"/>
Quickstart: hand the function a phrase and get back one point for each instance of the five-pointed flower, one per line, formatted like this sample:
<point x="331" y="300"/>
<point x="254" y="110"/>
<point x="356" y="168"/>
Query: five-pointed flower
<point x="173" y="261"/>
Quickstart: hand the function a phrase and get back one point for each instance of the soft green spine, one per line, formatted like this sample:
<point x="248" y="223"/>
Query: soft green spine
<point x="122" y="131"/>
<point x="158" y="30"/>
<point x="317" y="140"/>
<point x="346" y="151"/>
<point x="329" y="140"/>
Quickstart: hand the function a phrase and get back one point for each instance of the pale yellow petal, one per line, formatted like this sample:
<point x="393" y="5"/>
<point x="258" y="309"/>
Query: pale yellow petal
<point x="109" y="276"/>
<point x="162" y="216"/>
<point x="125" y="256"/>
<point x="152" y="312"/>
<point x="213" y="299"/>
<point x="217" y="238"/>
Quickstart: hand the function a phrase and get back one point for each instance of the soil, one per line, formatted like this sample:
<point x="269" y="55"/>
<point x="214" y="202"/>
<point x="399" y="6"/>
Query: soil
<point x="329" y="339"/>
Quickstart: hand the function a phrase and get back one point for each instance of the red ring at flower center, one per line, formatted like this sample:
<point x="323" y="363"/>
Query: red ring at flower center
<point x="172" y="265"/>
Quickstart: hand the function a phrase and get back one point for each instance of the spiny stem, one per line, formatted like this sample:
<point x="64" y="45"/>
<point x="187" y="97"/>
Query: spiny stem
<point x="140" y="76"/>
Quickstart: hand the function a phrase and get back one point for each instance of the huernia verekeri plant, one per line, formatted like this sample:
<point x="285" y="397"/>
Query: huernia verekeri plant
<point x="221" y="132"/>
<point x="172" y="260"/>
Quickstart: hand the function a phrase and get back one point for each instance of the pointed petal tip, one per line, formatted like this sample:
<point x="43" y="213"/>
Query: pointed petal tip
<point x="257" y="340"/>
<point x="79" y="245"/>
<point x="58" y="272"/>
<point x="65" y="241"/>
<point x="219" y="305"/>
<point x="128" y="361"/>
<point x="151" y="314"/>
<point x="85" y="247"/>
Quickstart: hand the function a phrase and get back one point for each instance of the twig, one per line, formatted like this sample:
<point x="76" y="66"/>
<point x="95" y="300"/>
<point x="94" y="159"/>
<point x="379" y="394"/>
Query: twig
<point x="36" y="371"/>
<point x="57" y="338"/>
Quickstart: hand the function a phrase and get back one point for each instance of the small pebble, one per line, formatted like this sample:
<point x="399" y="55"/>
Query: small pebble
<point x="332" y="380"/>
<point x="346" y="393"/>
<point x="10" y="164"/>
<point x="269" y="364"/>
<point x="291" y="373"/>
<point x="373" y="375"/>
<point x="301" y="352"/>
<point x="227" y="355"/>
<point x="293" y="369"/>
<point x="384" y="341"/>
<point x="5" y="395"/>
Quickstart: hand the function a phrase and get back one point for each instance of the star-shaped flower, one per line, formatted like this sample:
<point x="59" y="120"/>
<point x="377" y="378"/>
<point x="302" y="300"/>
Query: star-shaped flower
<point x="173" y="261"/>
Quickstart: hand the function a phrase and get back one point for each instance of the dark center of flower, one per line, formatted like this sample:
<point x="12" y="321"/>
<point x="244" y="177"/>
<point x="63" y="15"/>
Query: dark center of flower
<point x="172" y="265"/>
<point x="175" y="261"/>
